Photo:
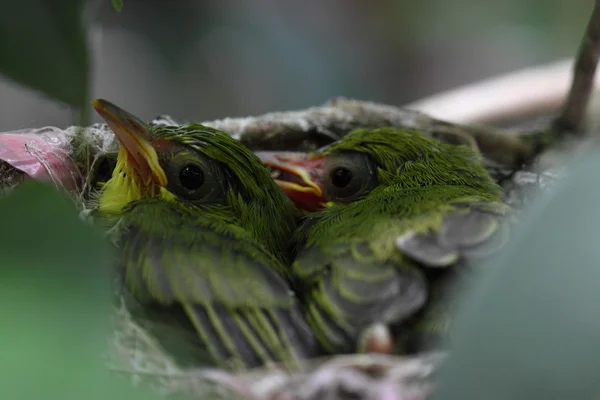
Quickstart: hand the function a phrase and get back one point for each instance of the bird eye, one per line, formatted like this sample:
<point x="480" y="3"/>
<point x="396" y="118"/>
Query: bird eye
<point x="191" y="177"/>
<point x="195" y="178"/>
<point x="104" y="169"/>
<point x="351" y="175"/>
<point x="341" y="177"/>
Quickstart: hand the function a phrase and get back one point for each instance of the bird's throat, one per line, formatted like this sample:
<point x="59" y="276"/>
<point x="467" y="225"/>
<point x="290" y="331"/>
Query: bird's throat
<point x="124" y="187"/>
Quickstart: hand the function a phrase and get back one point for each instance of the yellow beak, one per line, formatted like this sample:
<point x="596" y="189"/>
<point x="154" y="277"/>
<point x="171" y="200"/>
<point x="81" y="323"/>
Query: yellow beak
<point x="135" y="138"/>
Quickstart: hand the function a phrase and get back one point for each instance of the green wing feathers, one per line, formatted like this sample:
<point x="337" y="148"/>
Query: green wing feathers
<point x="349" y="293"/>
<point x="242" y="310"/>
<point x="169" y="269"/>
<point x="348" y="287"/>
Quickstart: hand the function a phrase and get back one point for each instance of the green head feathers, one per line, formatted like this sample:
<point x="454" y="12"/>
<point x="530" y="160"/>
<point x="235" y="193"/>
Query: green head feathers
<point x="374" y="180"/>
<point x="407" y="159"/>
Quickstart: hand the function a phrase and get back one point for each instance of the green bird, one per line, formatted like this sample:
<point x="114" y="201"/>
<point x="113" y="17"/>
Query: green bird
<point x="203" y="231"/>
<point x="392" y="210"/>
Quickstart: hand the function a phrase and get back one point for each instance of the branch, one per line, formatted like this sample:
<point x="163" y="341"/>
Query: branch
<point x="515" y="96"/>
<point x="573" y="114"/>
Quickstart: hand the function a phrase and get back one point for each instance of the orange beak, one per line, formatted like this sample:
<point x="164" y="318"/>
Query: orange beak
<point x="298" y="174"/>
<point x="135" y="139"/>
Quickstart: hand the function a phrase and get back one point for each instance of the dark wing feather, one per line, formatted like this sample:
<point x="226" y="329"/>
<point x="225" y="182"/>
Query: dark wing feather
<point x="243" y="312"/>
<point x="467" y="236"/>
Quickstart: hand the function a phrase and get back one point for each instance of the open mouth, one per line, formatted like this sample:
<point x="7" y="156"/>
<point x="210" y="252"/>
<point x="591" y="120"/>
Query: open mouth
<point x="298" y="175"/>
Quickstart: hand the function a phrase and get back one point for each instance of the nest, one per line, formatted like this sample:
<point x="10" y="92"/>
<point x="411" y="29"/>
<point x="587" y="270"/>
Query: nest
<point x="77" y="158"/>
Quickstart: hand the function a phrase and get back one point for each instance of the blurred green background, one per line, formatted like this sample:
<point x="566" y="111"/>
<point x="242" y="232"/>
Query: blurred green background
<point x="202" y="60"/>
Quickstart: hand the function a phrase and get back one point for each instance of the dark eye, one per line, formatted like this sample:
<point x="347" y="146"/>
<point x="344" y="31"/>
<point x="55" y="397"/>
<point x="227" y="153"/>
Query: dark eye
<point x="105" y="169"/>
<point x="195" y="178"/>
<point x="341" y="177"/>
<point x="191" y="177"/>
<point x="351" y="175"/>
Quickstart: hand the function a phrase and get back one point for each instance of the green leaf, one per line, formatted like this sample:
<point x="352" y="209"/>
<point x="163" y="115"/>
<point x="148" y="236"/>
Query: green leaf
<point x="43" y="45"/>
<point x="54" y="301"/>
<point x="529" y="326"/>
<point x="117" y="5"/>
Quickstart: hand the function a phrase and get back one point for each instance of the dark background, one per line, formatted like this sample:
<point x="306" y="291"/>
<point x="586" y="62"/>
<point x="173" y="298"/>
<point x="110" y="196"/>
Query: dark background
<point x="202" y="60"/>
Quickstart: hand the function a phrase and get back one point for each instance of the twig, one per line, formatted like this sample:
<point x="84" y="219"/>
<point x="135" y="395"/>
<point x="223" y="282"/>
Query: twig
<point x="572" y="118"/>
